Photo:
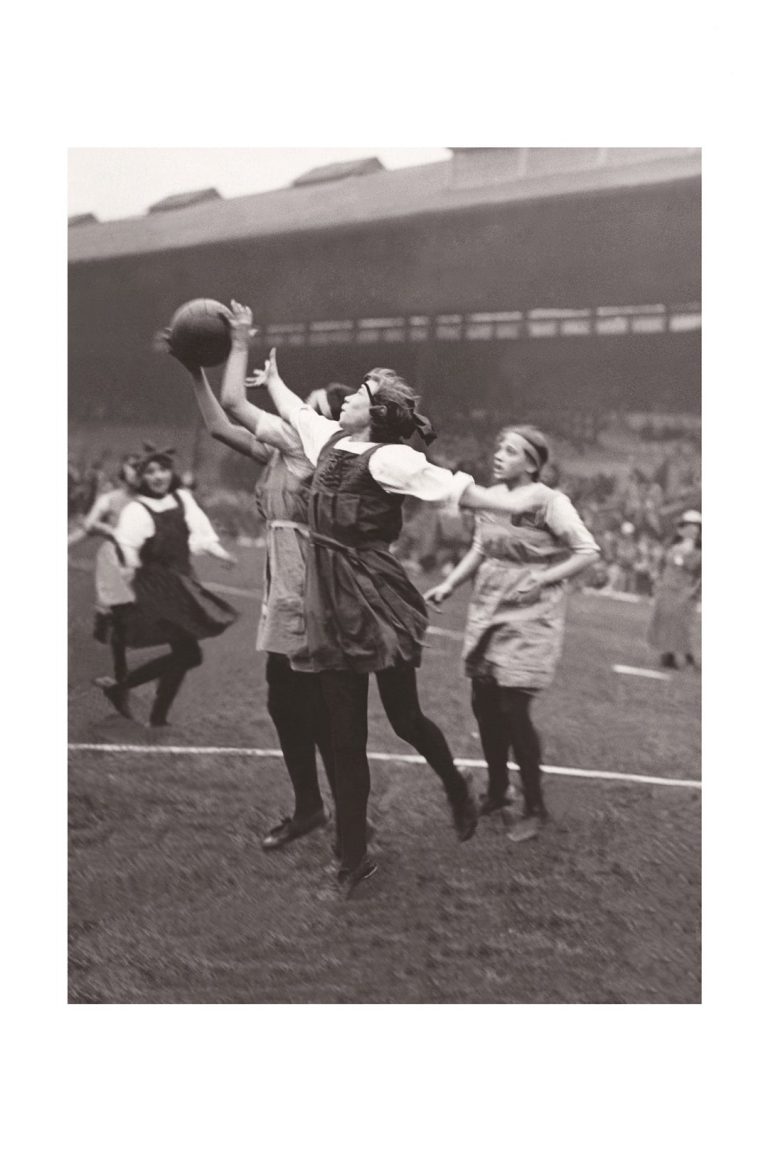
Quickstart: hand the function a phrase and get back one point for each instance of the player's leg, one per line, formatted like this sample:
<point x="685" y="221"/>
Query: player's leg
<point x="526" y="746"/>
<point x="400" y="698"/>
<point x="291" y="706"/>
<point x="346" y="700"/>
<point x="185" y="654"/>
<point x="495" y="741"/>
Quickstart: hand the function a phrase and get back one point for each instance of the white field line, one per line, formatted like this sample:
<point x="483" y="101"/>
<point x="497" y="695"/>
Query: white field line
<point x="276" y="754"/>
<point x="648" y="673"/>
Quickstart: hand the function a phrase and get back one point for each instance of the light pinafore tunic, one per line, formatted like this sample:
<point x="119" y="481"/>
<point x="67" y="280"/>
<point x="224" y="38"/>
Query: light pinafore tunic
<point x="519" y="645"/>
<point x="281" y="497"/>
<point x="112" y="588"/>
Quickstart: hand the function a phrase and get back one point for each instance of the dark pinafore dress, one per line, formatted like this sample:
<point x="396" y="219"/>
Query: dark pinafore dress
<point x="362" y="612"/>
<point x="170" y="601"/>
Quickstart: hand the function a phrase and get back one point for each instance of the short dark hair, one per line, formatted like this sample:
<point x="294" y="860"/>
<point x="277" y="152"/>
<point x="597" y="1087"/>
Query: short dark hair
<point x="392" y="408"/>
<point x="163" y="459"/>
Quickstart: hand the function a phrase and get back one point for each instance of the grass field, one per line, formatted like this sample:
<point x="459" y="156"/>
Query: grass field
<point x="172" y="899"/>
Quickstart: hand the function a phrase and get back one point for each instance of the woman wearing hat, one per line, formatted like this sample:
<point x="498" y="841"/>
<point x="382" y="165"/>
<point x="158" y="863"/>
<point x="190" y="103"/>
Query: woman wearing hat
<point x="363" y="613"/>
<point x="157" y="532"/>
<point x="516" y="616"/>
<point x="677" y="591"/>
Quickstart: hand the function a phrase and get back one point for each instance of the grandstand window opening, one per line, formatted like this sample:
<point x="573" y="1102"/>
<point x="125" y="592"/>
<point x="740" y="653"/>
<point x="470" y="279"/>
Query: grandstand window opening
<point x="631" y="310"/>
<point x="383" y="330"/>
<point x="685" y="322"/>
<point x="331" y="332"/>
<point x="418" y="328"/>
<point x="645" y="324"/>
<point x="449" y="327"/>
<point x="537" y="323"/>
<point x="612" y="325"/>
<point x="291" y="334"/>
<point x="538" y="328"/>
<point x="575" y="328"/>
<point x="479" y="331"/>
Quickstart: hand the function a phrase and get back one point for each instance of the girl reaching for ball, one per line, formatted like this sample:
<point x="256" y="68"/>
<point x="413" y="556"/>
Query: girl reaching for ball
<point x="157" y="532"/>
<point x="293" y="698"/>
<point x="516" y="616"/>
<point x="363" y="614"/>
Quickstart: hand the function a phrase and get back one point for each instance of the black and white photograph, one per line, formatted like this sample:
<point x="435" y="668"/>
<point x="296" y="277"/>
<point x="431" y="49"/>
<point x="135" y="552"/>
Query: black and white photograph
<point x="385" y="538"/>
<point x="398" y="356"/>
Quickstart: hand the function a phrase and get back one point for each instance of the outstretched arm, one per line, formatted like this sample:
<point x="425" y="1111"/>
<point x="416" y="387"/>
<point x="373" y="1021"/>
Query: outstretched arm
<point x="215" y="418"/>
<point x="267" y="428"/>
<point x="233" y="398"/>
<point x="286" y="402"/>
<point x="513" y="501"/>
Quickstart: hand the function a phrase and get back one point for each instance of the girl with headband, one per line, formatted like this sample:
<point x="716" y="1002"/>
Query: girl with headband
<point x="293" y="698"/>
<point x="363" y="613"/>
<point x="157" y="532"/>
<point x="516" y="615"/>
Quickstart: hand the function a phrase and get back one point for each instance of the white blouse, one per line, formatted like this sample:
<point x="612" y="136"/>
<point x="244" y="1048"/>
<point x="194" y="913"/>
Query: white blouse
<point x="397" y="468"/>
<point x="136" y="525"/>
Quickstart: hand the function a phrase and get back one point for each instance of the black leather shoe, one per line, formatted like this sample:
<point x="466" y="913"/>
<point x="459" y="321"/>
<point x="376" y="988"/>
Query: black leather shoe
<point x="118" y="698"/>
<point x="528" y="826"/>
<point x="291" y="829"/>
<point x="348" y="879"/>
<point x="490" y="803"/>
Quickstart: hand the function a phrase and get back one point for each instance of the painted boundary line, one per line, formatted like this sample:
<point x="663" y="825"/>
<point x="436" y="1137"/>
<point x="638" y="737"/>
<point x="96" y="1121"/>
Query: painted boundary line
<point x="276" y="754"/>
<point x="646" y="673"/>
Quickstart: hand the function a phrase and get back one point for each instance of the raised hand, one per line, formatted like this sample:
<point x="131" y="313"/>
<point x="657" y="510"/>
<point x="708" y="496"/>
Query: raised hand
<point x="270" y="367"/>
<point x="162" y="343"/>
<point x="262" y="376"/>
<point x="240" y="321"/>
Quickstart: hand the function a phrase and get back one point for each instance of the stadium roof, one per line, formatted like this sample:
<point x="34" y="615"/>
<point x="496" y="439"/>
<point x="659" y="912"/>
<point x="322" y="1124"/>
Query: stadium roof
<point x="464" y="182"/>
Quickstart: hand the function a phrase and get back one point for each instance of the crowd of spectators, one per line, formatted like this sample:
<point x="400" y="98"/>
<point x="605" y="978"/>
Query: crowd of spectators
<point x="631" y="511"/>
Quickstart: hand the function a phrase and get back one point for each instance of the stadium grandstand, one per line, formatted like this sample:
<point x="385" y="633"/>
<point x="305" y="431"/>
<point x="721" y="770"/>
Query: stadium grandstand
<point x="508" y="280"/>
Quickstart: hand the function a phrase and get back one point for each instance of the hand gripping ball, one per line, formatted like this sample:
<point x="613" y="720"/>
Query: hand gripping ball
<point x="200" y="334"/>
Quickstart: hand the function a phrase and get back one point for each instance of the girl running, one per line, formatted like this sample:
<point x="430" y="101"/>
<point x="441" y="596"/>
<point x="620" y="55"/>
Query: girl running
<point x="516" y="616"/>
<point x="363" y="615"/>
<point x="156" y="532"/>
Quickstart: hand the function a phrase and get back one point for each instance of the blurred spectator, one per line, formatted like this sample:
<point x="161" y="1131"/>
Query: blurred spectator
<point x="679" y="588"/>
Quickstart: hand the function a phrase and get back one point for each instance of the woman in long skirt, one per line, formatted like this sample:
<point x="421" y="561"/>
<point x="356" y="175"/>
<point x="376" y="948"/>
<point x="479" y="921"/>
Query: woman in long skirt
<point x="677" y="591"/>
<point x="294" y="700"/>
<point x="516" y="617"/>
<point x="363" y="614"/>
<point x="157" y="533"/>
